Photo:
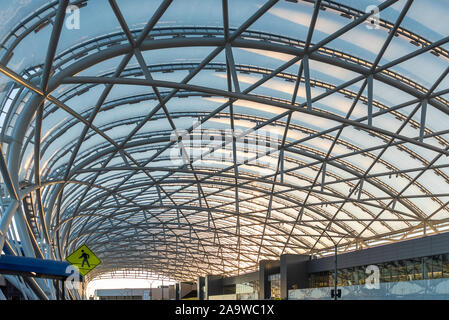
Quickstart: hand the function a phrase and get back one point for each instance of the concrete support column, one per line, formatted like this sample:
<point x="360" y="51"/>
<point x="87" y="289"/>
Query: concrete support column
<point x="177" y="291"/>
<point x="199" y="287"/>
<point x="263" y="280"/>
<point x="293" y="273"/>
<point x="266" y="268"/>
<point x="213" y="286"/>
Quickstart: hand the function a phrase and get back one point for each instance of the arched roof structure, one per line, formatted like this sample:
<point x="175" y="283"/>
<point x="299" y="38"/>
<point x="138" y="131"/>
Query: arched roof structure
<point x="199" y="137"/>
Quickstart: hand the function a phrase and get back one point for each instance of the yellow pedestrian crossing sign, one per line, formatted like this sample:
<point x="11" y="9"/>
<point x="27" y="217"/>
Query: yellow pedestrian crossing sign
<point x="84" y="259"/>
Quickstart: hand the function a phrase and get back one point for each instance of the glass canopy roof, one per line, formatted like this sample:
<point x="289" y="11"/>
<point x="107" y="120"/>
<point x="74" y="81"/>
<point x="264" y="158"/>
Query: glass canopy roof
<point x="199" y="137"/>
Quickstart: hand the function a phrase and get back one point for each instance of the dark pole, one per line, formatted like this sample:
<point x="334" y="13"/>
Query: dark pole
<point x="63" y="289"/>
<point x="56" y="285"/>
<point x="335" y="274"/>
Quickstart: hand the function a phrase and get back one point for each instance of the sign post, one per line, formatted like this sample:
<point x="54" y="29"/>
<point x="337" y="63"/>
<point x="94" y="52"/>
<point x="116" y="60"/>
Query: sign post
<point x="84" y="259"/>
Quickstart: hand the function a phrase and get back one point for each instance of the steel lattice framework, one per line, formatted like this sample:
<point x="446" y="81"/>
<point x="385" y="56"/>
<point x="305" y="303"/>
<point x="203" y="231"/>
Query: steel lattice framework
<point x="113" y="185"/>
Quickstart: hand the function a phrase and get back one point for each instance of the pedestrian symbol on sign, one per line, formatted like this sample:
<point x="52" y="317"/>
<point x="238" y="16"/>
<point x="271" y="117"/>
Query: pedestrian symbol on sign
<point x="84" y="259"/>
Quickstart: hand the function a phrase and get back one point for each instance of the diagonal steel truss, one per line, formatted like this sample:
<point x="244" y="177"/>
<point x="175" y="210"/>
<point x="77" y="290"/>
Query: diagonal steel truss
<point x="192" y="219"/>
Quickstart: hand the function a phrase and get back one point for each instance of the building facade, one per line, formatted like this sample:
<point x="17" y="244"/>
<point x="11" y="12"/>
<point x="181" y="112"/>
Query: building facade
<point x="415" y="269"/>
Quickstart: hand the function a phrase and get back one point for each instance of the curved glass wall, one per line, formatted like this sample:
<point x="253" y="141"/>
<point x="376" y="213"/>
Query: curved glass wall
<point x="431" y="267"/>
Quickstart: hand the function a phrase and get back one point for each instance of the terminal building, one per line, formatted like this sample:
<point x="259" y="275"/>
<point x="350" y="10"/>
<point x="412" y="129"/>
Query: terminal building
<point x="251" y="150"/>
<point x="413" y="269"/>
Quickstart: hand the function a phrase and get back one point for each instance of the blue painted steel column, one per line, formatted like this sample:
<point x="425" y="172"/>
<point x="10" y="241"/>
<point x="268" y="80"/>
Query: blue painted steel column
<point x="33" y="267"/>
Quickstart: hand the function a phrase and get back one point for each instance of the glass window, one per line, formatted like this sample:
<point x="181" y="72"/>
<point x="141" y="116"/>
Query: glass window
<point x="437" y="266"/>
<point x="312" y="281"/>
<point x="385" y="273"/>
<point x="328" y="280"/>
<point x="339" y="277"/>
<point x="394" y="267"/>
<point x="275" y="285"/>
<point x="361" y="275"/>
<point x="418" y="269"/>
<point x="359" y="278"/>
<point x="432" y="267"/>
<point x="410" y="269"/>
<point x="247" y="287"/>
<point x="349" y="277"/>
<point x="445" y="265"/>
<point x="402" y="271"/>
<point x="427" y="267"/>
<point x="229" y="289"/>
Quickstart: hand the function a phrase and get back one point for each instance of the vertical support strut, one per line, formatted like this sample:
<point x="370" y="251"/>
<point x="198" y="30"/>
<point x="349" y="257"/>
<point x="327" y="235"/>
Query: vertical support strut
<point x="199" y="195"/>
<point x="335" y="272"/>
<point x="423" y="120"/>
<point x="323" y="176"/>
<point x="7" y="216"/>
<point x="307" y="78"/>
<point x="208" y="220"/>
<point x="231" y="63"/>
<point x="159" y="194"/>
<point x="360" y="189"/>
<point x="281" y="155"/>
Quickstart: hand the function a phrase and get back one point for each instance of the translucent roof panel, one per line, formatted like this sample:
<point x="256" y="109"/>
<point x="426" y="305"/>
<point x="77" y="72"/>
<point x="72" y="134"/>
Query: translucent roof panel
<point x="208" y="135"/>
